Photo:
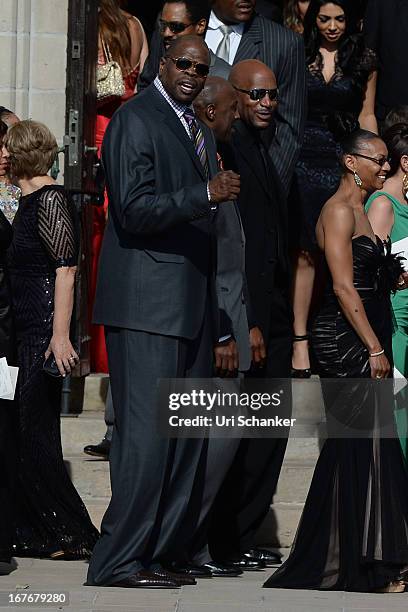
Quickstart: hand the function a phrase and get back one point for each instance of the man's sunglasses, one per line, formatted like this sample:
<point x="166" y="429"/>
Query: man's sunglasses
<point x="182" y="64"/>
<point x="176" y="27"/>
<point x="259" y="94"/>
<point x="381" y="161"/>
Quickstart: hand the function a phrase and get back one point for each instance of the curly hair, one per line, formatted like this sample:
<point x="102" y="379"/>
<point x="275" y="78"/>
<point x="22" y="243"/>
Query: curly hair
<point x="32" y="149"/>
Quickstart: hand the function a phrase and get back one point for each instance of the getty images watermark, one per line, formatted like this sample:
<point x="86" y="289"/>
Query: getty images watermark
<point x="234" y="401"/>
<point x="274" y="408"/>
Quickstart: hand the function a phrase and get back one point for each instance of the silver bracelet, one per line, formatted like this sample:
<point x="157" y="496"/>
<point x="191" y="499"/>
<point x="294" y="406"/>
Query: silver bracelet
<point x="377" y="354"/>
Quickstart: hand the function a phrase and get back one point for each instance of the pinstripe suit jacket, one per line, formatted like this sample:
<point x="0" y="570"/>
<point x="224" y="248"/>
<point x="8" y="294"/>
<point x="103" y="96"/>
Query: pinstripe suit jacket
<point x="283" y="52"/>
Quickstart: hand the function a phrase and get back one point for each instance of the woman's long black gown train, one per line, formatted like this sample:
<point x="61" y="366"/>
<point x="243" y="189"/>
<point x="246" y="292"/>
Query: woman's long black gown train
<point x="353" y="534"/>
<point x="51" y="516"/>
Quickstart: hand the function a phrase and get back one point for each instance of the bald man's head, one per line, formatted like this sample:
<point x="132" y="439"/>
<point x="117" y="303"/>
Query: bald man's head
<point x="184" y="68"/>
<point x="216" y="106"/>
<point x="257" y="91"/>
<point x="178" y="45"/>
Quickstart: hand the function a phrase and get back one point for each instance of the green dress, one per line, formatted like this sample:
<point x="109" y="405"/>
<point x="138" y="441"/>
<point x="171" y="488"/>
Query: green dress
<point x="399" y="301"/>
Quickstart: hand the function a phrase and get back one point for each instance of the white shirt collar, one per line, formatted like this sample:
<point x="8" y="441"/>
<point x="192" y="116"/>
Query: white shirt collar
<point x="214" y="23"/>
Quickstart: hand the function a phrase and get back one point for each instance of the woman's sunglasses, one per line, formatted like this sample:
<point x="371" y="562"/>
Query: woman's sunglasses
<point x="183" y="64"/>
<point x="259" y="94"/>
<point x="176" y="27"/>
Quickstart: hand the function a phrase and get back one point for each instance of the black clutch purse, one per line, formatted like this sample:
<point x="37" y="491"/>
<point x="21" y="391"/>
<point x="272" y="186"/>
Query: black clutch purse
<point x="50" y="365"/>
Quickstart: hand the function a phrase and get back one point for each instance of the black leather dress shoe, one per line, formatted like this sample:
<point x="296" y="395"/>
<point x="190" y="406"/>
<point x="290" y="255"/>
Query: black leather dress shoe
<point x="98" y="450"/>
<point x="246" y="564"/>
<point x="218" y="570"/>
<point x="146" y="580"/>
<point x="181" y="579"/>
<point x="262" y="554"/>
<point x="189" y="569"/>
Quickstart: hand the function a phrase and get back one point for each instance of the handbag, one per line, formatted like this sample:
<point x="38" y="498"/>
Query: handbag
<point x="50" y="365"/>
<point x="109" y="78"/>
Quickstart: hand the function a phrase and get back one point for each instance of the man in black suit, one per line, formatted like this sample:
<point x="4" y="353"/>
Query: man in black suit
<point x="153" y="296"/>
<point x="235" y="32"/>
<point x="179" y="18"/>
<point x="245" y="497"/>
<point x="386" y="28"/>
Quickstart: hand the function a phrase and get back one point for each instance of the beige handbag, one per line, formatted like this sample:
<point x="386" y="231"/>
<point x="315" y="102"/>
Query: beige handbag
<point x="109" y="78"/>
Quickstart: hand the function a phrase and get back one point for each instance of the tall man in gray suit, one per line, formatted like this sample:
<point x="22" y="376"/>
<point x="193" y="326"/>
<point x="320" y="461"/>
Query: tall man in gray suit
<point x="179" y="18"/>
<point x="153" y="296"/>
<point x="235" y="32"/>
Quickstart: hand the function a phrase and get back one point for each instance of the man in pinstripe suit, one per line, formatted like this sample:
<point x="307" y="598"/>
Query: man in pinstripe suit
<point x="235" y="32"/>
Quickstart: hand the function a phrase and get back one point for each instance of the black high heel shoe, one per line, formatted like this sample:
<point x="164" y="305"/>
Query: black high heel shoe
<point x="306" y="373"/>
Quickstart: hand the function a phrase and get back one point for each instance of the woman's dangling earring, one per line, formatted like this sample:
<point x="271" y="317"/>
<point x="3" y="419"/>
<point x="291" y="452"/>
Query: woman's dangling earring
<point x="357" y="179"/>
<point x="405" y="185"/>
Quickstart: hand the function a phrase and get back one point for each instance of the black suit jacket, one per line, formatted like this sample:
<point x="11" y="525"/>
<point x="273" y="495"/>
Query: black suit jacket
<point x="156" y="258"/>
<point x="386" y="30"/>
<point x="283" y="51"/>
<point x="263" y="213"/>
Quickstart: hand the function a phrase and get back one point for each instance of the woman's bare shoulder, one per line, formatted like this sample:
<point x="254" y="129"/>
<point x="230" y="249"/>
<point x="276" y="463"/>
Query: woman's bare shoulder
<point x="338" y="210"/>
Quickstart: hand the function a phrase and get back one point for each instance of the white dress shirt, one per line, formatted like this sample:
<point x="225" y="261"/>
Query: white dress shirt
<point x="214" y="36"/>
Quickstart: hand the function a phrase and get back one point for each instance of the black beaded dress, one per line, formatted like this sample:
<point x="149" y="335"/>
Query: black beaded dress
<point x="51" y="516"/>
<point x="333" y="110"/>
<point x="353" y="534"/>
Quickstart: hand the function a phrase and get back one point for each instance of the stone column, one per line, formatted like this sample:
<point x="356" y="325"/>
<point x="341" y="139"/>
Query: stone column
<point x="33" y="40"/>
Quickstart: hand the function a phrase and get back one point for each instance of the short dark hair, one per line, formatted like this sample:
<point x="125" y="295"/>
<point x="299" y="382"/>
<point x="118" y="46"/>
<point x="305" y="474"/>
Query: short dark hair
<point x="396" y="139"/>
<point x="196" y="9"/>
<point x="399" y="114"/>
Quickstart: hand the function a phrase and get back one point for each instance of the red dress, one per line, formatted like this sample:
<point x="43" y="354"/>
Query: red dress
<point x="99" y="360"/>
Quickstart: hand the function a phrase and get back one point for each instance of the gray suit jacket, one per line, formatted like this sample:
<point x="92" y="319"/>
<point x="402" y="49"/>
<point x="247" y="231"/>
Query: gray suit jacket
<point x="283" y="51"/>
<point x="158" y="248"/>
<point x="230" y="280"/>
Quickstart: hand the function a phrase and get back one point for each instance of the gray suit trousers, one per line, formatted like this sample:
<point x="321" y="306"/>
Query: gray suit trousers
<point x="152" y="478"/>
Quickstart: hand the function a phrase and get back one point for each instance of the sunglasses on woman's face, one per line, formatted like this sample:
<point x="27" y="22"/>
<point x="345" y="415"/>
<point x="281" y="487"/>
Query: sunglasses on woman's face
<point x="259" y="94"/>
<point x="183" y="64"/>
<point x="381" y="161"/>
<point x="176" y="27"/>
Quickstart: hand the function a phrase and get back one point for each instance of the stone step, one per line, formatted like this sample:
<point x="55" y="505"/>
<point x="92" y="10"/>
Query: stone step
<point x="89" y="428"/>
<point x="91" y="475"/>
<point x="96" y="388"/>
<point x="91" y="478"/>
<point x="306" y="394"/>
<point x="278" y="529"/>
<point x="78" y="431"/>
<point x="96" y="509"/>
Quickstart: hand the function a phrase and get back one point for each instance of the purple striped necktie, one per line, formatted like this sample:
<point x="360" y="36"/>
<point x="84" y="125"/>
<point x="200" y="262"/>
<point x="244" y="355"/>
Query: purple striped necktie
<point x="197" y="137"/>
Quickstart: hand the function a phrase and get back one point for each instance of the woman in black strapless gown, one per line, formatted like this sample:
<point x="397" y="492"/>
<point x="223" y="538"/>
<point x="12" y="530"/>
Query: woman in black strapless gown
<point x="353" y="534"/>
<point x="340" y="91"/>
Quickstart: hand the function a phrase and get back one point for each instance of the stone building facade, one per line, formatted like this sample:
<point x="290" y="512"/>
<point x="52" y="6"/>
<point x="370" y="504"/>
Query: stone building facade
<point x="33" y="41"/>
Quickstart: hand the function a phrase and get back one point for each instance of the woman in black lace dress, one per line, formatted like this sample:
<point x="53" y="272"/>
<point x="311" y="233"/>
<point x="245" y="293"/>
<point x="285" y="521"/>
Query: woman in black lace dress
<point x="353" y="534"/>
<point x="341" y="81"/>
<point x="51" y="520"/>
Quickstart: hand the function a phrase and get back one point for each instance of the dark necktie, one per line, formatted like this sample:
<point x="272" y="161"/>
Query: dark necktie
<point x="197" y="138"/>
